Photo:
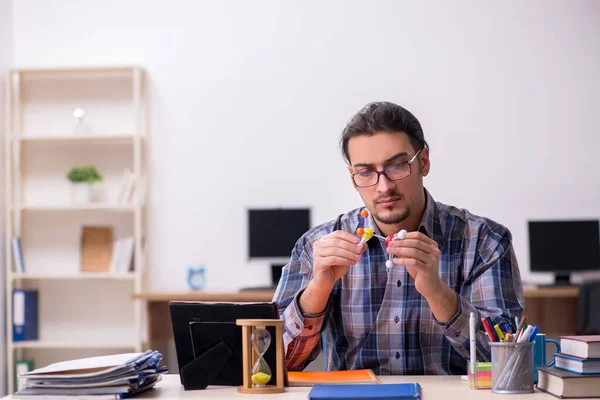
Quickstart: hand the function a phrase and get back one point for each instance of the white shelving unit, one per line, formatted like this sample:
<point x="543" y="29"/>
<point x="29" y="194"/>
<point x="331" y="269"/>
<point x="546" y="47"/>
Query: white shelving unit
<point x="80" y="313"/>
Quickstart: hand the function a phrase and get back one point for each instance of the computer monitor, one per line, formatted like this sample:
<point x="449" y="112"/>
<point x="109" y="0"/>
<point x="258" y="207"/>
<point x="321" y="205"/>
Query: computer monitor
<point x="563" y="247"/>
<point x="272" y="234"/>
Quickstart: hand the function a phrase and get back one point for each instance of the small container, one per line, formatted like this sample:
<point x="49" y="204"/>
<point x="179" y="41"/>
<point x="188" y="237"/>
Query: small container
<point x="512" y="367"/>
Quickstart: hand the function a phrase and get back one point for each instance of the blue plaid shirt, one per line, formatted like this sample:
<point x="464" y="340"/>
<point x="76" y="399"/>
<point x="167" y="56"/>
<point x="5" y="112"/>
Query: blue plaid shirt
<point x="376" y="319"/>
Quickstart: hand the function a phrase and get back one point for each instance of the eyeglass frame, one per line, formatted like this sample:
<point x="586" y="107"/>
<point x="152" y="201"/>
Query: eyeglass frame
<point x="382" y="172"/>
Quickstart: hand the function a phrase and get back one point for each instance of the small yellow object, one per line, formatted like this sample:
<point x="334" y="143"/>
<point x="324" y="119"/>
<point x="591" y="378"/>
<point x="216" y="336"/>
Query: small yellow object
<point x="368" y="233"/>
<point x="260" y="378"/>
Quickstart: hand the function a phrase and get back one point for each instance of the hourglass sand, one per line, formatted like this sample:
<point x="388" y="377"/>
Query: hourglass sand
<point x="255" y="343"/>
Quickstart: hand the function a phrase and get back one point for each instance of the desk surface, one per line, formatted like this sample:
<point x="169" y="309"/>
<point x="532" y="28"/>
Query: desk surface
<point x="434" y="387"/>
<point x="529" y="291"/>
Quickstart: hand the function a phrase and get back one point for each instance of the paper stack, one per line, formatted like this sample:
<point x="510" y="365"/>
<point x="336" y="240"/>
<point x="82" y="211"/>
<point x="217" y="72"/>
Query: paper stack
<point x="116" y="377"/>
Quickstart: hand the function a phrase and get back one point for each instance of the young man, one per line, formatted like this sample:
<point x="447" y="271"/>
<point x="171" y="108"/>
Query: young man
<point x="412" y="318"/>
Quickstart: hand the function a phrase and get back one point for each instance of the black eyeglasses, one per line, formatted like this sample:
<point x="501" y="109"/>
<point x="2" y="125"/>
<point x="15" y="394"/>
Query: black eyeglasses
<point x="393" y="172"/>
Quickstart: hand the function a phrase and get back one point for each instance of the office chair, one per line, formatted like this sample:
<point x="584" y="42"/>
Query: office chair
<point x="588" y="309"/>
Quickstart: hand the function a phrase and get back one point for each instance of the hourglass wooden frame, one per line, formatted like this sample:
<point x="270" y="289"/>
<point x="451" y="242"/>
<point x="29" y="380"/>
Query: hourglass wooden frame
<point x="249" y="356"/>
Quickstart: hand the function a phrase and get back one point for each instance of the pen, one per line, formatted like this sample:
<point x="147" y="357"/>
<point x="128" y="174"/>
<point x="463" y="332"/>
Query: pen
<point x="520" y="328"/>
<point x="533" y="333"/>
<point x="473" y="349"/>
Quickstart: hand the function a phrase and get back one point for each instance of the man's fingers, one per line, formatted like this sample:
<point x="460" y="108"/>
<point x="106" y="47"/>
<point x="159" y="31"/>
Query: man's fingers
<point x="341" y="235"/>
<point x="411" y="252"/>
<point x="340" y="252"/>
<point x="331" y="261"/>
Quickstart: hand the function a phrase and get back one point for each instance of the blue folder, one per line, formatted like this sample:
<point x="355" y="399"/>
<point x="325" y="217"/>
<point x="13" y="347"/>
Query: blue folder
<point x="393" y="391"/>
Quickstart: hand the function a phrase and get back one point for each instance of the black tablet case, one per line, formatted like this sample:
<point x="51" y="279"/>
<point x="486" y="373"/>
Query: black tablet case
<point x="209" y="343"/>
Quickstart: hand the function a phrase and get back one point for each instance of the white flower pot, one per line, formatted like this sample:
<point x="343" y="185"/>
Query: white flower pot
<point x="81" y="192"/>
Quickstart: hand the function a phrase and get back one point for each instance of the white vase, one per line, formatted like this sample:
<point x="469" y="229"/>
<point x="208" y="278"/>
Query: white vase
<point x="81" y="192"/>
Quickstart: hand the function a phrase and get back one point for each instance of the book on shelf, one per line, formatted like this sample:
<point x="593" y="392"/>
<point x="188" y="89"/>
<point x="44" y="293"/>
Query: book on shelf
<point x="582" y="346"/>
<point x="25" y="314"/>
<point x="566" y="384"/>
<point x="306" y="378"/>
<point x="126" y="188"/>
<point x="96" y="247"/>
<point x="122" y="255"/>
<point x="17" y="253"/>
<point x="577" y="365"/>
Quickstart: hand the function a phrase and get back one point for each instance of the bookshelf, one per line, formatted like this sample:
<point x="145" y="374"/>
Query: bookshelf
<point x="80" y="313"/>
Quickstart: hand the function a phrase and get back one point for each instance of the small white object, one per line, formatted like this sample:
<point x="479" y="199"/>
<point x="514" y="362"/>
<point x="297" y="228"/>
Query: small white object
<point x="79" y="113"/>
<point x="402" y="234"/>
<point x="389" y="263"/>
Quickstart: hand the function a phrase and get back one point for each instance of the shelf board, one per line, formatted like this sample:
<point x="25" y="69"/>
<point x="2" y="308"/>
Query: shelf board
<point x="75" y="276"/>
<point x="45" y="344"/>
<point x="117" y="69"/>
<point x="80" y="207"/>
<point x="73" y="139"/>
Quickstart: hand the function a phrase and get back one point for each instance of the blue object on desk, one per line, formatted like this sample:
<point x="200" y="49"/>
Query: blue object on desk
<point x="393" y="391"/>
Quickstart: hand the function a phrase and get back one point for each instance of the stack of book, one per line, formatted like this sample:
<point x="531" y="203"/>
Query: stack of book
<point x="116" y="377"/>
<point x="576" y="372"/>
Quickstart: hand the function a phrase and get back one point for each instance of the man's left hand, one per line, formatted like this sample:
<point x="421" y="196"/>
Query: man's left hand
<point x="421" y="257"/>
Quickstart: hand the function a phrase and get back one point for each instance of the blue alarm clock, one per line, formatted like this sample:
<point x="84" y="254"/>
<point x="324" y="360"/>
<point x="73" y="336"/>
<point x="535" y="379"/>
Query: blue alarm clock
<point x="196" y="277"/>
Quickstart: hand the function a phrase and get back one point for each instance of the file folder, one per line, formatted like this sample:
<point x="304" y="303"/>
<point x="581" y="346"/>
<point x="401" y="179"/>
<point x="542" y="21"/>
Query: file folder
<point x="25" y="315"/>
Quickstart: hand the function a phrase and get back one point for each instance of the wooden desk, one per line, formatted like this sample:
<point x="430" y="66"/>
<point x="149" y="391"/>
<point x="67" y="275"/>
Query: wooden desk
<point x="553" y="309"/>
<point x="433" y="388"/>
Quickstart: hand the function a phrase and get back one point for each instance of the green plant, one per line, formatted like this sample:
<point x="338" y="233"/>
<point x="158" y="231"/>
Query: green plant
<point x="84" y="173"/>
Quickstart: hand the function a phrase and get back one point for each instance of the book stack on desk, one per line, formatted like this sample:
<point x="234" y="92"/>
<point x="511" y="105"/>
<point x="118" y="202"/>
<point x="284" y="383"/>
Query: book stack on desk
<point x="115" y="377"/>
<point x="576" y="372"/>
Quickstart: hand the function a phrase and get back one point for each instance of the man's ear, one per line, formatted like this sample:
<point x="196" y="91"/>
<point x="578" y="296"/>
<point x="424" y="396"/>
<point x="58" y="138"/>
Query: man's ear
<point x="424" y="161"/>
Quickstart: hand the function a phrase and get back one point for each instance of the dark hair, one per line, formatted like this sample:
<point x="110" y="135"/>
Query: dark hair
<point x="379" y="117"/>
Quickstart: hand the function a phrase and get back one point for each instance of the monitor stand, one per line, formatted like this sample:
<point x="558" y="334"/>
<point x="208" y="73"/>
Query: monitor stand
<point x="560" y="279"/>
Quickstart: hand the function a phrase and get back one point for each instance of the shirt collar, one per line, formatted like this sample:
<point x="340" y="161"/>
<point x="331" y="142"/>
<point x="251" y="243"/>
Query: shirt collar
<point x="430" y="223"/>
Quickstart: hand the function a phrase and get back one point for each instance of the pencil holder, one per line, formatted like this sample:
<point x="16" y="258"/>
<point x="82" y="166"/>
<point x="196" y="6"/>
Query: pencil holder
<point x="512" y="367"/>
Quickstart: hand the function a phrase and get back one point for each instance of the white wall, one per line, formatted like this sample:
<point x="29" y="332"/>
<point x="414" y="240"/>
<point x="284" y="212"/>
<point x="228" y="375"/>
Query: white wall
<point x="249" y="98"/>
<point x="5" y="63"/>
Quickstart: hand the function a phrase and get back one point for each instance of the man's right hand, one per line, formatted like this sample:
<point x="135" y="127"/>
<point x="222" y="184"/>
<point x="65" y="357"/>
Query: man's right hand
<point x="333" y="255"/>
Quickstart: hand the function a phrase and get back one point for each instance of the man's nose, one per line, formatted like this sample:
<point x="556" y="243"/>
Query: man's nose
<point x="384" y="184"/>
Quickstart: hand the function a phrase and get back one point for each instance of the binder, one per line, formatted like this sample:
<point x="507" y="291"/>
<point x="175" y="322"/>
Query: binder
<point x="25" y="315"/>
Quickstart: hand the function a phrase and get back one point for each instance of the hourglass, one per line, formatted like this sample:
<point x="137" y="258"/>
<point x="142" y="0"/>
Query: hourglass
<point x="256" y="340"/>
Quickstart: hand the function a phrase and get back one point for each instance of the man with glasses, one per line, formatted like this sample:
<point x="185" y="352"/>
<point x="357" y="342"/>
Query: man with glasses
<point x="412" y="318"/>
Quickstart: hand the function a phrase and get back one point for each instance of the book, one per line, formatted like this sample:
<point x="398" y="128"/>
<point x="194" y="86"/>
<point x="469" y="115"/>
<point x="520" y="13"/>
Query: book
<point x="577" y="364"/>
<point x="583" y="346"/>
<point x="393" y="391"/>
<point x="567" y="384"/>
<point x="301" y="378"/>
<point x="17" y="254"/>
<point x="25" y="315"/>
<point x="96" y="248"/>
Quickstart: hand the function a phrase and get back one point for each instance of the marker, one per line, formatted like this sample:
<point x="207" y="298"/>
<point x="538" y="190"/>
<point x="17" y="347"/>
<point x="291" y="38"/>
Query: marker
<point x="499" y="332"/>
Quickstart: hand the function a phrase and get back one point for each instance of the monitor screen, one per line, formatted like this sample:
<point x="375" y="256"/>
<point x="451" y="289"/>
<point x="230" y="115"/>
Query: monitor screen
<point x="272" y="233"/>
<point x="556" y="246"/>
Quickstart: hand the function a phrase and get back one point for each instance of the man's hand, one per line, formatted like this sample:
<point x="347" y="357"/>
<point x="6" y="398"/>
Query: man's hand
<point x="333" y="255"/>
<point x="421" y="257"/>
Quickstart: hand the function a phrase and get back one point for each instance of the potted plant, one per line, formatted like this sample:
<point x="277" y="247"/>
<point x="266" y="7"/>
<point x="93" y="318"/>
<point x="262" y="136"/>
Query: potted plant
<point x="82" y="178"/>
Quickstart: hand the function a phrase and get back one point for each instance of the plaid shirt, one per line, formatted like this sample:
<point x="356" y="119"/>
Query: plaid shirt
<point x="376" y="319"/>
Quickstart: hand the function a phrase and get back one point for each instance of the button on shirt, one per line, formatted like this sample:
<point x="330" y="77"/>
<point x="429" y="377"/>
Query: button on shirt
<point x="376" y="319"/>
